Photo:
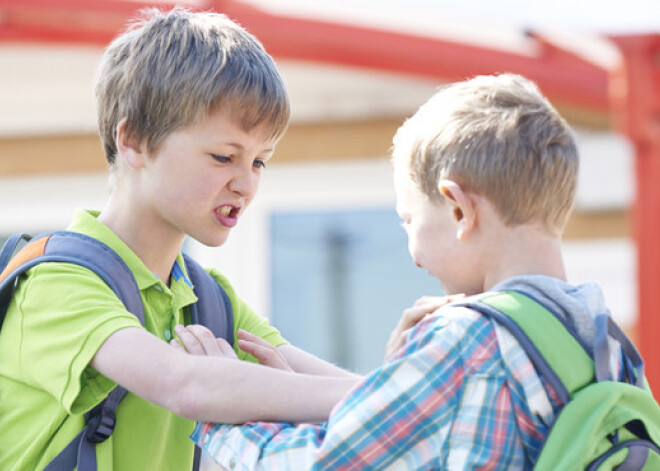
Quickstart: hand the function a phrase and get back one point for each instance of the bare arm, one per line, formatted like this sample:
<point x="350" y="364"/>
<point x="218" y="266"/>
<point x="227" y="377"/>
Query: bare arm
<point x="199" y="340"/>
<point x="294" y="358"/>
<point x="303" y="362"/>
<point x="214" y="388"/>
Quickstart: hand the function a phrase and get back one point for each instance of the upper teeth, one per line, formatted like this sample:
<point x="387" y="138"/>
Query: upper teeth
<point x="225" y="210"/>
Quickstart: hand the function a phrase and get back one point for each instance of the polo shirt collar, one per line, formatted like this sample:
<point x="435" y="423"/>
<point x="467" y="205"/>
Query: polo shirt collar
<point x="180" y="285"/>
<point x="86" y="222"/>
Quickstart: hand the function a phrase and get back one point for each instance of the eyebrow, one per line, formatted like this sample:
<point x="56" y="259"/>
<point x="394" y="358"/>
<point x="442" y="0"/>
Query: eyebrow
<point x="240" y="147"/>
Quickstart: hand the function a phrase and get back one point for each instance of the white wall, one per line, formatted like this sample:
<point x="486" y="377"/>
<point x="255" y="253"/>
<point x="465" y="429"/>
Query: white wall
<point x="40" y="203"/>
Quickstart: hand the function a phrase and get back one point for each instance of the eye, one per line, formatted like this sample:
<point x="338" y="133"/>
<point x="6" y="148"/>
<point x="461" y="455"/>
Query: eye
<point x="259" y="163"/>
<point x="221" y="158"/>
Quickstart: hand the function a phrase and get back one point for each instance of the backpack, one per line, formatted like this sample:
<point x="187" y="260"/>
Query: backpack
<point x="603" y="423"/>
<point x="213" y="310"/>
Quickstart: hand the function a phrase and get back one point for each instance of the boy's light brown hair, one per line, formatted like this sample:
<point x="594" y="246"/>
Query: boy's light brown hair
<point x="499" y="137"/>
<point x="170" y="68"/>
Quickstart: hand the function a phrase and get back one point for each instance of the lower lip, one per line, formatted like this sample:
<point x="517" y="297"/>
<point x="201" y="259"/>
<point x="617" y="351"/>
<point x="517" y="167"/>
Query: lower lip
<point x="226" y="221"/>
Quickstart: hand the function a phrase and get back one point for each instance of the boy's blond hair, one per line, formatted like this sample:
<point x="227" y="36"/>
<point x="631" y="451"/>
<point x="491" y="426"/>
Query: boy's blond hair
<point x="499" y="137"/>
<point x="170" y="68"/>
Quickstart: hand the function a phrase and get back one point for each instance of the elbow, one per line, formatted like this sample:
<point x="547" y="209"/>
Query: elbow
<point x="194" y="396"/>
<point x="179" y="390"/>
<point x="186" y="404"/>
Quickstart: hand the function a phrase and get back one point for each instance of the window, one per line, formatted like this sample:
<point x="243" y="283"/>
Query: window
<point x="340" y="281"/>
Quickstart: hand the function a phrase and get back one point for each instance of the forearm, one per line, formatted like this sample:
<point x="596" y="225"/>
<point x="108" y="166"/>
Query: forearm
<point x="229" y="391"/>
<point x="214" y="388"/>
<point x="303" y="362"/>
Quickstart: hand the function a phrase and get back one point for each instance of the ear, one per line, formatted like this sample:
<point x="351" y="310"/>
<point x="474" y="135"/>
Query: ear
<point x="462" y="207"/>
<point x="129" y="150"/>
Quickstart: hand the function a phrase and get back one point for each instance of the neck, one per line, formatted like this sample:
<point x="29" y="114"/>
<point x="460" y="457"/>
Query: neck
<point x="154" y="244"/>
<point x="526" y="250"/>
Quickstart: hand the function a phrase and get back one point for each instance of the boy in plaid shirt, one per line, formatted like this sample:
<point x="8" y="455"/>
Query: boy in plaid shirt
<point x="485" y="175"/>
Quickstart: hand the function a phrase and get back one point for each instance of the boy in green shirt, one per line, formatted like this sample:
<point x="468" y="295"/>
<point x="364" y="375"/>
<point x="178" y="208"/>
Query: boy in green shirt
<point x="190" y="110"/>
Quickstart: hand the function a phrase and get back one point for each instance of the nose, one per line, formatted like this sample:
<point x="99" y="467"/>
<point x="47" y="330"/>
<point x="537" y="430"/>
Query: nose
<point x="245" y="182"/>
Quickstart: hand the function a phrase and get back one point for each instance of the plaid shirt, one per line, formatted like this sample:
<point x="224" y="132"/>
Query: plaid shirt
<point x="461" y="394"/>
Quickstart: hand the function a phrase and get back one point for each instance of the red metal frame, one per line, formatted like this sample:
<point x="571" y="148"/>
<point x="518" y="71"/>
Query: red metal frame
<point x="635" y="94"/>
<point x="631" y="93"/>
<point x="564" y="77"/>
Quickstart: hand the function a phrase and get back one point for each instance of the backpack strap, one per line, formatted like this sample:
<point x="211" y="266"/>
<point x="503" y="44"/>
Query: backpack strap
<point x="213" y="308"/>
<point x="69" y="247"/>
<point x="72" y="247"/>
<point x="632" y="363"/>
<point x="556" y="354"/>
<point x="555" y="349"/>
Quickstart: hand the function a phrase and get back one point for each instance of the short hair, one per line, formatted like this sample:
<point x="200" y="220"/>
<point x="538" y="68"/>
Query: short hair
<point x="499" y="137"/>
<point x="170" y="68"/>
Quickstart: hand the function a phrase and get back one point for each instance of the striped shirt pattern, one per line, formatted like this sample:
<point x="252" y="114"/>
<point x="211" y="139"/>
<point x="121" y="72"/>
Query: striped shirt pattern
<point x="461" y="394"/>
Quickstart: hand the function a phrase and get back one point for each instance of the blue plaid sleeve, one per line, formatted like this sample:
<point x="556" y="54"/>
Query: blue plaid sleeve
<point x="442" y="402"/>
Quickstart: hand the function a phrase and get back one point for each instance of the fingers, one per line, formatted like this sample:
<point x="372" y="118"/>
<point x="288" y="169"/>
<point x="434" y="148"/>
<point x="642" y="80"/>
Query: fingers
<point x="264" y="352"/>
<point x="423" y="306"/>
<point x="198" y="340"/>
<point x="225" y="348"/>
<point x="438" y="300"/>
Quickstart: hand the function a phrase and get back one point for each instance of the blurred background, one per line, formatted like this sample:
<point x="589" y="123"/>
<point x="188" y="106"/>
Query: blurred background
<point x="321" y="252"/>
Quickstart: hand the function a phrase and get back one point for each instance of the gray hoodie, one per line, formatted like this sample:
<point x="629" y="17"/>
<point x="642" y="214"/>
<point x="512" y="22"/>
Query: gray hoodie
<point x="579" y="304"/>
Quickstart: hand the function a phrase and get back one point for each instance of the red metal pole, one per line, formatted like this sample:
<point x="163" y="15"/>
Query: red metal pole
<point x="635" y="93"/>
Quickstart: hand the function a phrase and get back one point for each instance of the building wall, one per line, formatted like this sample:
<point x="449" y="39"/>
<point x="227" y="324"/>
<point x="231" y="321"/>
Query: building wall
<point x="329" y="169"/>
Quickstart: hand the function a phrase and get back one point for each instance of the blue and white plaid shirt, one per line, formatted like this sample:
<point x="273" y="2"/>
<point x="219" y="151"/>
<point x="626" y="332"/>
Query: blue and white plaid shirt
<point x="461" y="394"/>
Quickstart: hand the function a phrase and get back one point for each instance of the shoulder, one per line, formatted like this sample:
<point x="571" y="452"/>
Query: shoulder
<point x="457" y="332"/>
<point x="61" y="279"/>
<point x="453" y="324"/>
<point x="69" y="294"/>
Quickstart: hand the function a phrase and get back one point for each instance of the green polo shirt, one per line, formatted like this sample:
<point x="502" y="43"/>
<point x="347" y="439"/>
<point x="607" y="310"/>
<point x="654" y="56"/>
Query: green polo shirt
<point x="60" y="315"/>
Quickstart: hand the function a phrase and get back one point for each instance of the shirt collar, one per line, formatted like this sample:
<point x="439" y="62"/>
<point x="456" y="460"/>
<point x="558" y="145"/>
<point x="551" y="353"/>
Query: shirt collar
<point x="86" y="222"/>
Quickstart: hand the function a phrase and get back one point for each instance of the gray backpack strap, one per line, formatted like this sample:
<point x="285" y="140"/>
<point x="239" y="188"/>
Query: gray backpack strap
<point x="213" y="308"/>
<point x="81" y="451"/>
<point x="540" y="332"/>
<point x="80" y="249"/>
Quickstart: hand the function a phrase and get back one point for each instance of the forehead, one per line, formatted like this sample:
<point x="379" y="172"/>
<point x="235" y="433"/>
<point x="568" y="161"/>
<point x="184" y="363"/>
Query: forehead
<point x="405" y="190"/>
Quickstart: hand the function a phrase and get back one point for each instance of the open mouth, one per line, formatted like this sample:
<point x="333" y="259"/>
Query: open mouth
<point x="228" y="215"/>
<point x="227" y="211"/>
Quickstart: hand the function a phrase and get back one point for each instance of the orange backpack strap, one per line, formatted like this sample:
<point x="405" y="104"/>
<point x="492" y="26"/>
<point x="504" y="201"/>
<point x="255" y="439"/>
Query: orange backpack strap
<point x="27" y="253"/>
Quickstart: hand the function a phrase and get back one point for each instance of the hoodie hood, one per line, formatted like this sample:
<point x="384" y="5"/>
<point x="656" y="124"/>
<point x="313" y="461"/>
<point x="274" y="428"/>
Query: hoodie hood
<point x="578" y="304"/>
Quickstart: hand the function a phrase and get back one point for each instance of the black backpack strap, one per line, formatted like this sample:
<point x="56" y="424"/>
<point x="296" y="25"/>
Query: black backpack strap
<point x="213" y="308"/>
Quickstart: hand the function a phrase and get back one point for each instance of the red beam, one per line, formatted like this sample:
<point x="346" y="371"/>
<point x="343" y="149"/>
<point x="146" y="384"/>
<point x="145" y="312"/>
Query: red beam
<point x="563" y="78"/>
<point x="636" y="106"/>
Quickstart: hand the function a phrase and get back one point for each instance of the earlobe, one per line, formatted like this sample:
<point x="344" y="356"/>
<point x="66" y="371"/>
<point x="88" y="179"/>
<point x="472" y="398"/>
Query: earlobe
<point x="461" y="206"/>
<point x="129" y="149"/>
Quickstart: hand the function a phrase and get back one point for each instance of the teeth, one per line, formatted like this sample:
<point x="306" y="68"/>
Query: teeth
<point x="224" y="210"/>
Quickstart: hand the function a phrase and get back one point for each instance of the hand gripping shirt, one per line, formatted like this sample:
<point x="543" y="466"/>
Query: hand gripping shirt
<point x="461" y="394"/>
<point x="60" y="315"/>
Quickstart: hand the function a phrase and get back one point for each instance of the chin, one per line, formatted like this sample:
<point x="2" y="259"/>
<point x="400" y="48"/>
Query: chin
<point x="215" y="240"/>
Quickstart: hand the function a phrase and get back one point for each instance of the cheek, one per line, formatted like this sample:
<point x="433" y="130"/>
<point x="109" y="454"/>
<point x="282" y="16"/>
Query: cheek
<point x="415" y="244"/>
